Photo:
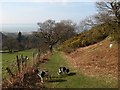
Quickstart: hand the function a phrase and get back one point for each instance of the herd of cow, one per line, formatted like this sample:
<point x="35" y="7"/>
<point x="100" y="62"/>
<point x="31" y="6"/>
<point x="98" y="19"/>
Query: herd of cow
<point x="42" y="73"/>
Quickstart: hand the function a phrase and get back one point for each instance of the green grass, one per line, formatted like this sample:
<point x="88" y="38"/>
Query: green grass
<point x="9" y="60"/>
<point x="77" y="80"/>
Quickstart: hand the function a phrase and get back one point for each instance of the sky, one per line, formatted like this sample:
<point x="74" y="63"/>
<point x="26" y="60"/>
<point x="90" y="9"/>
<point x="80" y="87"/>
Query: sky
<point x="20" y="12"/>
<point x="23" y="15"/>
<point x="48" y="0"/>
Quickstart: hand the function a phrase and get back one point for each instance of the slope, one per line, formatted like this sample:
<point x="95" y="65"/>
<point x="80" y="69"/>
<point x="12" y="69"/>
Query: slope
<point x="96" y="60"/>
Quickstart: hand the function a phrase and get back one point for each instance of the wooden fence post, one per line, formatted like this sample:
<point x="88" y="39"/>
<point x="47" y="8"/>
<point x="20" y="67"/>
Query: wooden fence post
<point x="26" y="62"/>
<point x="38" y="57"/>
<point x="33" y="61"/>
<point x="18" y="63"/>
<point x="21" y="67"/>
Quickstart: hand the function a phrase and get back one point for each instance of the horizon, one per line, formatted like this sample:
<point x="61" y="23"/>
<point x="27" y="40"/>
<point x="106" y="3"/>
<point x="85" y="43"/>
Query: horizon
<point x="14" y="28"/>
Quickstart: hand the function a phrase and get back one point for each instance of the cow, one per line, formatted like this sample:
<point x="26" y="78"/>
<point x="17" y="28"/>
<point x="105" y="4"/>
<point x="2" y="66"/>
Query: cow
<point x="63" y="70"/>
<point x="41" y="74"/>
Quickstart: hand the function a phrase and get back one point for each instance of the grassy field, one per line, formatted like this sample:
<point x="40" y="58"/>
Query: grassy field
<point x="74" y="79"/>
<point x="9" y="60"/>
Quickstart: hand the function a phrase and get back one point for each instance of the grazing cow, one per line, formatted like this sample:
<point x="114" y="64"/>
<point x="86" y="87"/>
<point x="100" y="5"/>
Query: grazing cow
<point x="63" y="70"/>
<point x="41" y="74"/>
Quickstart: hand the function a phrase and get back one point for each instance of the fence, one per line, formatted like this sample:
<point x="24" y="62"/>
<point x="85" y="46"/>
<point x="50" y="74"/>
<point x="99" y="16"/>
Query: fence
<point x="22" y="65"/>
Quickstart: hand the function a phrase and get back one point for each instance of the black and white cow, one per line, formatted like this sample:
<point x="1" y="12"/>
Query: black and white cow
<point x="63" y="70"/>
<point x="41" y="74"/>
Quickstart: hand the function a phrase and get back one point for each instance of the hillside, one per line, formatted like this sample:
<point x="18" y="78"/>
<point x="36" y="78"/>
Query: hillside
<point x="96" y="60"/>
<point x="90" y="53"/>
<point x="90" y="37"/>
<point x="86" y="38"/>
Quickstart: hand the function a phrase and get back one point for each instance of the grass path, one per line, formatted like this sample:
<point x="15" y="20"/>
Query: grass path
<point x="74" y="80"/>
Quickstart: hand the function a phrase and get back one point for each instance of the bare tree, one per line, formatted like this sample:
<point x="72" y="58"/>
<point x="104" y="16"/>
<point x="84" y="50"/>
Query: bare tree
<point x="66" y="29"/>
<point x="109" y="11"/>
<point x="46" y="30"/>
<point x="53" y="32"/>
<point x="109" y="14"/>
<point x="87" y="23"/>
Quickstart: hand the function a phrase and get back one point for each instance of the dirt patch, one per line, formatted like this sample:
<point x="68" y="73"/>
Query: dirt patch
<point x="96" y="60"/>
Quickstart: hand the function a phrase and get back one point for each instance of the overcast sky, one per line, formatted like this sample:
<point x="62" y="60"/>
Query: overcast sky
<point x="33" y="12"/>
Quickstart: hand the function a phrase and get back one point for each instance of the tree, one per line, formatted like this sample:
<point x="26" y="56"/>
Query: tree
<point x="109" y="11"/>
<point x="46" y="29"/>
<point x="10" y="44"/>
<point x="53" y="32"/>
<point x="66" y="29"/>
<point x="20" y="39"/>
<point x="87" y="23"/>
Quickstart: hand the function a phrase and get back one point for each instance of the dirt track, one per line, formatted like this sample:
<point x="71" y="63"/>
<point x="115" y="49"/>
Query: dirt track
<point x="96" y="60"/>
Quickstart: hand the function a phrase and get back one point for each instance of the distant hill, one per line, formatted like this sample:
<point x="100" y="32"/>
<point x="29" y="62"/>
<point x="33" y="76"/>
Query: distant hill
<point x="14" y="35"/>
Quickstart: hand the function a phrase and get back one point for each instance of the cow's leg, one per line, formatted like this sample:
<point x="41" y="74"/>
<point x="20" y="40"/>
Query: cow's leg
<point x="41" y="79"/>
<point x="59" y="72"/>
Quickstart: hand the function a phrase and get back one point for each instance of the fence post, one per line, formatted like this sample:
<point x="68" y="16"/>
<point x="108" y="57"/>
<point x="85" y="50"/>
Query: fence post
<point x="26" y="62"/>
<point x="33" y="61"/>
<point x="18" y="63"/>
<point x="38" y="57"/>
<point x="21" y="67"/>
